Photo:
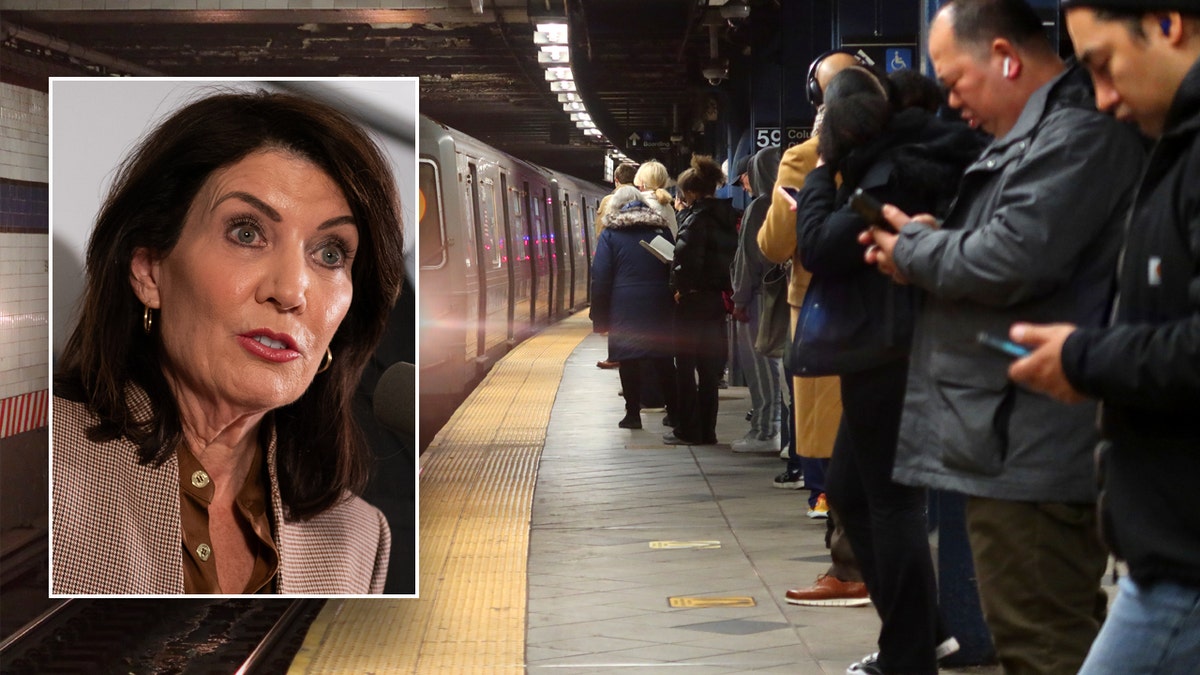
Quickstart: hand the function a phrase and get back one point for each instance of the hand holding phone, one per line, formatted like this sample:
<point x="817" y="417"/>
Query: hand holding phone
<point x="869" y="209"/>
<point x="1006" y="347"/>
<point x="789" y="195"/>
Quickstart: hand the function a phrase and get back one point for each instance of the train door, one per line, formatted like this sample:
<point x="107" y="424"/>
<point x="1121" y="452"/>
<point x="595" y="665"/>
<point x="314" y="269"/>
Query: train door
<point x="480" y="276"/>
<point x="531" y="254"/>
<point x="510" y="305"/>
<point x="569" y="236"/>
<point x="492" y="264"/>
<point x="583" y="255"/>
<point x="558" y="247"/>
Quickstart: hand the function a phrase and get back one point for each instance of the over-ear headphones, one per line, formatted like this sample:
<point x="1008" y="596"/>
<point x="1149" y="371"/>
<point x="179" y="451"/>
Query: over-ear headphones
<point x="815" y="95"/>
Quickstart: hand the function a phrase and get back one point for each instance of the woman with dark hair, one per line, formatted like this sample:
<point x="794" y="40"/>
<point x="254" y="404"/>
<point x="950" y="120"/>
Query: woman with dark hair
<point x="699" y="274"/>
<point x="857" y="324"/>
<point x="239" y="276"/>
<point x="631" y="300"/>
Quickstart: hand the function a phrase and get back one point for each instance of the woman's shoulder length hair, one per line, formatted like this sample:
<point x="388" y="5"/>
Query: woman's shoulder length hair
<point x="320" y="450"/>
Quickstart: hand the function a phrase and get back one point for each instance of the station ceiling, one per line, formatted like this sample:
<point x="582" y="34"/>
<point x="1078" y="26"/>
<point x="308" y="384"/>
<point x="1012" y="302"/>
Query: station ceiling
<point x="639" y="63"/>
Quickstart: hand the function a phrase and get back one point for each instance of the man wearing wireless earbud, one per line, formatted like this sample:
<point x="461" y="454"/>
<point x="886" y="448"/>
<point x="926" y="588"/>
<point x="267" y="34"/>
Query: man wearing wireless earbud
<point x="1144" y="56"/>
<point x="1034" y="232"/>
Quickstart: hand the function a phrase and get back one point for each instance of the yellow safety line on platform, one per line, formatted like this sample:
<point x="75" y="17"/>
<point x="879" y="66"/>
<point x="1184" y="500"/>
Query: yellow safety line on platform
<point x="476" y="495"/>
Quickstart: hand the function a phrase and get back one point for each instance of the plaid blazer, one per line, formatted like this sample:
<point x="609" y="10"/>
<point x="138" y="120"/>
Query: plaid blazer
<point x="116" y="527"/>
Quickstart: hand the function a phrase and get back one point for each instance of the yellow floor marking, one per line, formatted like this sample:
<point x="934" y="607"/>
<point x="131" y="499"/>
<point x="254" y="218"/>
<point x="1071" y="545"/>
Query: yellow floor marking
<point x="686" y="602"/>
<point x="684" y="544"/>
<point x="476" y="492"/>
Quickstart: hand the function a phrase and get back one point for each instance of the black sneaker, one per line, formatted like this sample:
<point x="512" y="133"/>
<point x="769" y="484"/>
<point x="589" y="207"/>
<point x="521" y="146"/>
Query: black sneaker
<point x="789" y="480"/>
<point x="631" y="421"/>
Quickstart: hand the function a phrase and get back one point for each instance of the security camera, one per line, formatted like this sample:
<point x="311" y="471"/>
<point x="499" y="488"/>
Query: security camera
<point x="715" y="73"/>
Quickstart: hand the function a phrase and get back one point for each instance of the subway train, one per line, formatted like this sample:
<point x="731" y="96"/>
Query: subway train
<point x="505" y="250"/>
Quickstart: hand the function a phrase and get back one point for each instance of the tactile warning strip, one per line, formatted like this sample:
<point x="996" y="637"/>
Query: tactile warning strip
<point x="476" y="494"/>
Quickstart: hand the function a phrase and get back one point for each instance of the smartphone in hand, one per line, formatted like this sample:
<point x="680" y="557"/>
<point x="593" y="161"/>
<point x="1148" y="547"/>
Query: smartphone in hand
<point x="869" y="209"/>
<point x="1006" y="347"/>
<point x="790" y="194"/>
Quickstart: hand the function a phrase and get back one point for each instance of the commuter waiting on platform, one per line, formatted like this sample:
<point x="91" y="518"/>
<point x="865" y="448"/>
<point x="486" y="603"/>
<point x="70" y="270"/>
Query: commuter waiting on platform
<point x="1033" y="235"/>
<point x="1144" y="56"/>
<point x="857" y="324"/>
<point x="631" y="300"/>
<point x="763" y="372"/>
<point x="699" y="275"/>
<point x="622" y="175"/>
<point x="652" y="178"/>
<point x="239" y="276"/>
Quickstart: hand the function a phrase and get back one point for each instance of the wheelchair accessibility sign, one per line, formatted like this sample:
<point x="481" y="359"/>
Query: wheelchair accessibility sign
<point x="897" y="59"/>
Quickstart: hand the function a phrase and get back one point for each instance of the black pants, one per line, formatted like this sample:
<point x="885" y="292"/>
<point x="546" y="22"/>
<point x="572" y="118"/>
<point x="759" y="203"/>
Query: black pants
<point x="701" y="343"/>
<point x="885" y="521"/>
<point x="632" y="372"/>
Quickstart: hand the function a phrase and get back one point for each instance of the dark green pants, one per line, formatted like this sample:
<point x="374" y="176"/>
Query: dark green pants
<point x="1039" y="567"/>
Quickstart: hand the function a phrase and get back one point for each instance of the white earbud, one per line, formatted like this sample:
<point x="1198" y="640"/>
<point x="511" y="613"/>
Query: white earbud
<point x="1007" y="65"/>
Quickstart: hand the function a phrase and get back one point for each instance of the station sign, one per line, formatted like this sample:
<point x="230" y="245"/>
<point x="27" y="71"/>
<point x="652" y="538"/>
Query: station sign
<point x="650" y="139"/>
<point x="765" y="137"/>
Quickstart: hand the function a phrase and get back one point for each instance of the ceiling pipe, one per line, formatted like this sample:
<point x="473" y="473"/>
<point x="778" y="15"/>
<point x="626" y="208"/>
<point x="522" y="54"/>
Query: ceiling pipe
<point x="90" y="56"/>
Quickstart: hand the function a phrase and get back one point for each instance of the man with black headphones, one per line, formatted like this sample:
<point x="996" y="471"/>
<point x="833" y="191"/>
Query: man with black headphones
<point x="817" y="403"/>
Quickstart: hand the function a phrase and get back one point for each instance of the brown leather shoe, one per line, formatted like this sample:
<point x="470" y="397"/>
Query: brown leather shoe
<point x="829" y="591"/>
<point x="608" y="365"/>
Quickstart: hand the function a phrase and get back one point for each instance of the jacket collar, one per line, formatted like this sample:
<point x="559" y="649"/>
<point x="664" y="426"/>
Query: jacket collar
<point x="1070" y="86"/>
<point x="1184" y="115"/>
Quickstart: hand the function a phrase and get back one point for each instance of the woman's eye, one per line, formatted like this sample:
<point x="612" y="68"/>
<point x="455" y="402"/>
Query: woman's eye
<point x="332" y="255"/>
<point x="246" y="234"/>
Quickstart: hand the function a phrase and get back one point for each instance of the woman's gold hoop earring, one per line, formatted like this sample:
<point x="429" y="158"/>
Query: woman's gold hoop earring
<point x="326" y="361"/>
<point x="147" y="319"/>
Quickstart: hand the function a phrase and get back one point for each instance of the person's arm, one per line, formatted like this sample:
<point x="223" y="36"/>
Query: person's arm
<point x="777" y="237"/>
<point x="745" y="275"/>
<point x="602" y="281"/>
<point x="688" y="264"/>
<point x="1053" y="206"/>
<point x="827" y="237"/>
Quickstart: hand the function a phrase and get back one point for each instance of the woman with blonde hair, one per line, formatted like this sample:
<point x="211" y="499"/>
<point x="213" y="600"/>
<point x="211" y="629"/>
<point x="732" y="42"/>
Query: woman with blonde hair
<point x="652" y="179"/>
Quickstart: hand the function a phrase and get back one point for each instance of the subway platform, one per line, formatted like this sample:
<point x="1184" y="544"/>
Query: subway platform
<point x="554" y="542"/>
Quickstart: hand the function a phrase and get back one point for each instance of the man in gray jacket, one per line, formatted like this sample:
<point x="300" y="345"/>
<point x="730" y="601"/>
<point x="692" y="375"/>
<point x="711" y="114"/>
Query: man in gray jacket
<point x="1034" y="232"/>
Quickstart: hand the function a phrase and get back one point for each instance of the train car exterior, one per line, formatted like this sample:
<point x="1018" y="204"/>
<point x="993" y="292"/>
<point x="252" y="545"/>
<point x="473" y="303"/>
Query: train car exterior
<point x="505" y="250"/>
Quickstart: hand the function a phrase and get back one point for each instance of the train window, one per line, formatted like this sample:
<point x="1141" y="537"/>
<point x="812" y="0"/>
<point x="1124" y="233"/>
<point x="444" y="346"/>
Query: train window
<point x="520" y="235"/>
<point x="493" y="232"/>
<point x="432" y="227"/>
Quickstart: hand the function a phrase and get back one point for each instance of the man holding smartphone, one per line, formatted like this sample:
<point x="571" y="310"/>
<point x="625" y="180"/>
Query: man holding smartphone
<point x="1144" y="56"/>
<point x="1035" y="232"/>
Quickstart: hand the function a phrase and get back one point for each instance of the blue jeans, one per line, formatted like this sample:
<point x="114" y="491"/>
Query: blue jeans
<point x="1150" y="629"/>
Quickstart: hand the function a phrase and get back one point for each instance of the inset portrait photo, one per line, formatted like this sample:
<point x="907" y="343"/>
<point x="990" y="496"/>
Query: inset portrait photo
<point x="233" y="328"/>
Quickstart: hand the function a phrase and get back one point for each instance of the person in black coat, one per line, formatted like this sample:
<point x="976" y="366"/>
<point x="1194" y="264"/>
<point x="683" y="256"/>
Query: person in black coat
<point x="1145" y="365"/>
<point x="699" y="275"/>
<point x="857" y="324"/>
<point x="631" y="300"/>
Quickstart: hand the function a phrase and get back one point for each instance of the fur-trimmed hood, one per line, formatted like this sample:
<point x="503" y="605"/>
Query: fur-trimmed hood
<point x="633" y="214"/>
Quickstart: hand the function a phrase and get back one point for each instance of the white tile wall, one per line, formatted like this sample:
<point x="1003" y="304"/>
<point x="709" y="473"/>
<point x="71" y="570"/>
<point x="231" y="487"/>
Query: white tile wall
<point x="24" y="313"/>
<point x="24" y="134"/>
<point x="24" y="281"/>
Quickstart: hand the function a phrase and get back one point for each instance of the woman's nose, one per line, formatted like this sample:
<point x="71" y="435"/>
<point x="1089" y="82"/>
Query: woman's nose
<point x="286" y="281"/>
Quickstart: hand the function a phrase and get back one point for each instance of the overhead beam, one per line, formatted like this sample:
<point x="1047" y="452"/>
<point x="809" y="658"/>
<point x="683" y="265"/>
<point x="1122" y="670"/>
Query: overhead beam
<point x="274" y="16"/>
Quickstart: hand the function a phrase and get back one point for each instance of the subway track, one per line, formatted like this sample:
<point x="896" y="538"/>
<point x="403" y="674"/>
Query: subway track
<point x="158" y="636"/>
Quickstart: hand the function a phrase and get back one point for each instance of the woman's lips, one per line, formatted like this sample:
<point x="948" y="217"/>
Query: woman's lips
<point x="270" y="346"/>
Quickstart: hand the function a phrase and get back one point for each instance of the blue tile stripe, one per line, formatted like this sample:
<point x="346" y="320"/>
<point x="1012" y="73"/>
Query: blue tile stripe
<point x="24" y="206"/>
